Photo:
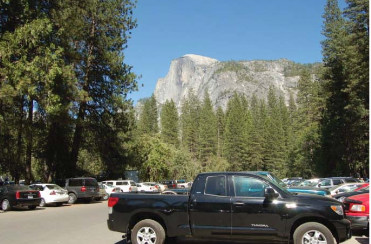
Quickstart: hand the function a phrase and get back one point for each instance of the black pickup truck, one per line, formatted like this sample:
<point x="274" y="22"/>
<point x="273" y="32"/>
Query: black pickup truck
<point x="233" y="206"/>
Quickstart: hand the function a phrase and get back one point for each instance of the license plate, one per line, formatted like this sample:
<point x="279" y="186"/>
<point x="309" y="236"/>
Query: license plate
<point x="30" y="197"/>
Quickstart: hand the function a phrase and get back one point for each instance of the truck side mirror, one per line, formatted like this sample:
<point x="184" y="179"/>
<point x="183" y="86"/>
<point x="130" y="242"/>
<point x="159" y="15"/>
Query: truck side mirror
<point x="270" y="194"/>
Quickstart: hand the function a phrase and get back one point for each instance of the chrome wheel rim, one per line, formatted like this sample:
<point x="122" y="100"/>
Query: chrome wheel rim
<point x="146" y="235"/>
<point x="5" y="205"/>
<point x="314" y="237"/>
<point x="72" y="198"/>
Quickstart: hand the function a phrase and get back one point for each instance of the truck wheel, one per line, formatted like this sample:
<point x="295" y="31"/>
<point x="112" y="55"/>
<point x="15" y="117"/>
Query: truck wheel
<point x="72" y="198"/>
<point x="313" y="232"/>
<point x="148" y="231"/>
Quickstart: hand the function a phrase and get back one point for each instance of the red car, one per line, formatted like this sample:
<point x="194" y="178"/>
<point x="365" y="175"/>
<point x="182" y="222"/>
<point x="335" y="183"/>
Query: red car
<point x="362" y="186"/>
<point x="357" y="211"/>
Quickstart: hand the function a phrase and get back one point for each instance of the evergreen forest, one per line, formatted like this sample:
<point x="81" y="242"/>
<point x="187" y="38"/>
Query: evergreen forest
<point x="65" y="111"/>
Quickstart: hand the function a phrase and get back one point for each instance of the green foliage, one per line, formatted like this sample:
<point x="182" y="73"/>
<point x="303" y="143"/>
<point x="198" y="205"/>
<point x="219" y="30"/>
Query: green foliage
<point x="231" y="66"/>
<point x="170" y="123"/>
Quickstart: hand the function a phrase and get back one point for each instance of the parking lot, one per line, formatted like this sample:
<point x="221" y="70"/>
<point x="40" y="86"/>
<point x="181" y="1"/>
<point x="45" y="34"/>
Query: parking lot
<point x="71" y="224"/>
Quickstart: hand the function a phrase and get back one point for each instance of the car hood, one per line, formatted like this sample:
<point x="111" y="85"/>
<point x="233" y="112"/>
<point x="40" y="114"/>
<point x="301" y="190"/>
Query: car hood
<point x="306" y="198"/>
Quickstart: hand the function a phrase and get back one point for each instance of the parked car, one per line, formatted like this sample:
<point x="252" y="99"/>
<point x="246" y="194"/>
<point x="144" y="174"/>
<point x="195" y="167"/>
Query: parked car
<point x="327" y="183"/>
<point x="293" y="189"/>
<point x="181" y="183"/>
<point x="51" y="194"/>
<point x="346" y="187"/>
<point x="161" y="187"/>
<point x="357" y="211"/>
<point x="109" y="189"/>
<point x="342" y="196"/>
<point x="84" y="188"/>
<point x="230" y="206"/>
<point x="103" y="195"/>
<point x="125" y="185"/>
<point x="147" y="187"/>
<point x="18" y="196"/>
<point x="311" y="182"/>
<point x="171" y="184"/>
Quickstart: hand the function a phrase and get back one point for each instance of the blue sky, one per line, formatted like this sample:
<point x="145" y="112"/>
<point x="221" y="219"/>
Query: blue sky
<point x="224" y="30"/>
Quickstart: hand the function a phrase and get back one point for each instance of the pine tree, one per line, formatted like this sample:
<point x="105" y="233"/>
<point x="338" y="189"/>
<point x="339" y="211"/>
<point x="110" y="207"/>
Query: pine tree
<point x="235" y="140"/>
<point x="220" y="117"/>
<point x="207" y="129"/>
<point x="190" y="116"/>
<point x="169" y="123"/>
<point x="147" y="123"/>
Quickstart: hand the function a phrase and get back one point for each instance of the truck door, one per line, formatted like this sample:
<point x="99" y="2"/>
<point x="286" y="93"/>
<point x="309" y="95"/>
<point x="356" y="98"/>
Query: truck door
<point x="253" y="216"/>
<point x="210" y="208"/>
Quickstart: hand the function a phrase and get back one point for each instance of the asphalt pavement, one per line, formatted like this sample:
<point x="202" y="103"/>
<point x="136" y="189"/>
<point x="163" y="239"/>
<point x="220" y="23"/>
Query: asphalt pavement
<point x="75" y="224"/>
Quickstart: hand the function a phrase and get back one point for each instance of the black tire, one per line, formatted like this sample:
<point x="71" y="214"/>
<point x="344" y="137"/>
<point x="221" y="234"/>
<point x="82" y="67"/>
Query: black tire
<point x="5" y="205"/>
<point x="313" y="231"/>
<point x="148" y="231"/>
<point x="72" y="198"/>
<point x="33" y="207"/>
<point x="98" y="199"/>
<point x="42" y="203"/>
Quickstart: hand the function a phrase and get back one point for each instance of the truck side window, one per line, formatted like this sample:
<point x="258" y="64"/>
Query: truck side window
<point x="248" y="187"/>
<point x="216" y="185"/>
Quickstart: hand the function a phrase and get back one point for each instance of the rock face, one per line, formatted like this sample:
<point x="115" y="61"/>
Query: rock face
<point x="223" y="79"/>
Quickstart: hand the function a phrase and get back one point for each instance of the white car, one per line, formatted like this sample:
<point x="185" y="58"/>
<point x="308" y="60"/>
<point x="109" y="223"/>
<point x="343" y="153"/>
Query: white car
<point x="344" y="188"/>
<point x="161" y="187"/>
<point x="51" y="193"/>
<point x="124" y="185"/>
<point x="147" y="187"/>
<point x="109" y="190"/>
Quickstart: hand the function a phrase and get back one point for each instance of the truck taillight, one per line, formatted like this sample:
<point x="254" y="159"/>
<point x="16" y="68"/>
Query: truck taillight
<point x="83" y="188"/>
<point x="39" y="194"/>
<point x="174" y="186"/>
<point x="17" y="195"/>
<point x="112" y="201"/>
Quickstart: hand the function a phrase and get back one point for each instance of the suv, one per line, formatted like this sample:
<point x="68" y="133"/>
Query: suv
<point x="125" y="185"/>
<point x="84" y="188"/>
<point x="328" y="183"/>
<point x="171" y="184"/>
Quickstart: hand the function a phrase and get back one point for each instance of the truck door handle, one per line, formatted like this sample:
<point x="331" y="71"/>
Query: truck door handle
<point x="238" y="203"/>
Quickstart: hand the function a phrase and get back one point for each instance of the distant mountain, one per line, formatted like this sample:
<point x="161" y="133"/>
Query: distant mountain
<point x="223" y="79"/>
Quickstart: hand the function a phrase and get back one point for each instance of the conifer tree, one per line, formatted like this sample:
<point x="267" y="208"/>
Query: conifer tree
<point x="207" y="129"/>
<point x="220" y="117"/>
<point x="169" y="123"/>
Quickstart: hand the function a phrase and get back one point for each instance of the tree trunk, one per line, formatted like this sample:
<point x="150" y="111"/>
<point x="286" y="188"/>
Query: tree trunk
<point x="77" y="138"/>
<point x="28" y="176"/>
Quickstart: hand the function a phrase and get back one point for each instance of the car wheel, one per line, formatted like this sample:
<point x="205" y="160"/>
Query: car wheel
<point x="72" y="198"/>
<point x="148" y="231"/>
<point x="33" y="207"/>
<point x="98" y="199"/>
<point x="42" y="203"/>
<point x="5" y="205"/>
<point x="313" y="232"/>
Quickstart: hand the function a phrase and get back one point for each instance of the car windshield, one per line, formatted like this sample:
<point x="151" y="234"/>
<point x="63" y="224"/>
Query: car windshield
<point x="308" y="183"/>
<point x="54" y="187"/>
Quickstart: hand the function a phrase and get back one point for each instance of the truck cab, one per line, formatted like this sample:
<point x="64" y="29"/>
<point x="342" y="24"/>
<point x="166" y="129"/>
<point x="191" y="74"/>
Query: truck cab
<point x="232" y="206"/>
